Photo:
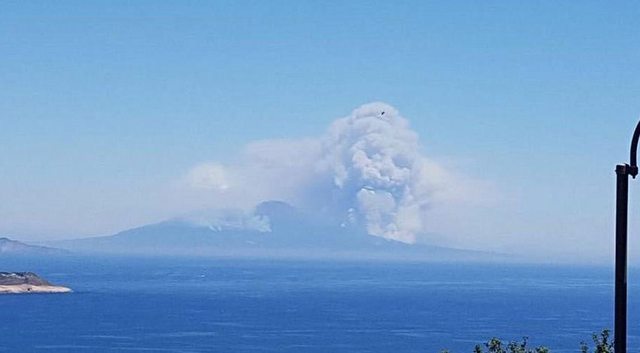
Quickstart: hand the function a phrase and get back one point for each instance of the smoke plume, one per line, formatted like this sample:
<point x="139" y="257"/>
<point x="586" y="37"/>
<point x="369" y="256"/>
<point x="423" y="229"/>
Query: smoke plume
<point x="377" y="172"/>
<point x="366" y="171"/>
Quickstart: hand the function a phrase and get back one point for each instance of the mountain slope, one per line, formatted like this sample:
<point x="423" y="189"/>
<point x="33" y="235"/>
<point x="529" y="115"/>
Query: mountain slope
<point x="12" y="247"/>
<point x="291" y="233"/>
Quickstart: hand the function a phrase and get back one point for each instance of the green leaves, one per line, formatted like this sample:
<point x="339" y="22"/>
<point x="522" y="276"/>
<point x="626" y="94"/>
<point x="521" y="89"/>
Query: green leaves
<point x="495" y="345"/>
<point x="601" y="342"/>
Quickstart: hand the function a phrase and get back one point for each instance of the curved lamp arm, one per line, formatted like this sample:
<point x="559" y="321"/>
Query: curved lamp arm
<point x="633" y="167"/>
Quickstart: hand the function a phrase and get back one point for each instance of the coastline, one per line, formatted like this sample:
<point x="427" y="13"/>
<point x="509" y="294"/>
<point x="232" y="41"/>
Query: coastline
<point x="29" y="288"/>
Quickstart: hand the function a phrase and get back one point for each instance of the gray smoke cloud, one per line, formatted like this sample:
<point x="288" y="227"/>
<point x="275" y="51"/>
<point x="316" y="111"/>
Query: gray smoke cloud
<point x="366" y="170"/>
<point x="378" y="172"/>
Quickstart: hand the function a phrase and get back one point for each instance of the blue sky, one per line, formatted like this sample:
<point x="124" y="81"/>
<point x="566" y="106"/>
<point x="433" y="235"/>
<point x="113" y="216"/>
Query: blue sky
<point x="104" y="104"/>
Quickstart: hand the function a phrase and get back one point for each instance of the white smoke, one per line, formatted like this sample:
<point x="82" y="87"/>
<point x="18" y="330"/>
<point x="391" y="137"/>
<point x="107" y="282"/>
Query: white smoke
<point x="367" y="170"/>
<point x="209" y="176"/>
<point x="228" y="219"/>
<point x="378" y="171"/>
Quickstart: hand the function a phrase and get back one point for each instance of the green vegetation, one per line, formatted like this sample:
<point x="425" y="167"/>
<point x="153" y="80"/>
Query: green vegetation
<point x="601" y="342"/>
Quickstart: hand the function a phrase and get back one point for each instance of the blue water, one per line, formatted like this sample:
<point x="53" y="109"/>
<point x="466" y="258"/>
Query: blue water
<point x="177" y="305"/>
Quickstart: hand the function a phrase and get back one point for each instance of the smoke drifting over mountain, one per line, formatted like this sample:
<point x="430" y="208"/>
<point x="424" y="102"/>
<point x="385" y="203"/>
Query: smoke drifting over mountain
<point x="366" y="171"/>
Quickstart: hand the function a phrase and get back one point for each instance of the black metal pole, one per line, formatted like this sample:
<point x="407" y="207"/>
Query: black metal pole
<point x="622" y="202"/>
<point x="623" y="171"/>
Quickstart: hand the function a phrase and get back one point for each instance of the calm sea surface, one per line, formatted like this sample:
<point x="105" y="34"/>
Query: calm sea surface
<point x="177" y="305"/>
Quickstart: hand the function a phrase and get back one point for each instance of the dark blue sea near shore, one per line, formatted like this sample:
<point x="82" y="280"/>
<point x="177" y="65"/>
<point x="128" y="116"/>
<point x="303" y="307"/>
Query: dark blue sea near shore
<point x="208" y="305"/>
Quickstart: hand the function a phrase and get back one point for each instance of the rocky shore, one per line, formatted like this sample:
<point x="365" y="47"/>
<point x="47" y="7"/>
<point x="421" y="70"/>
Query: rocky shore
<point x="27" y="282"/>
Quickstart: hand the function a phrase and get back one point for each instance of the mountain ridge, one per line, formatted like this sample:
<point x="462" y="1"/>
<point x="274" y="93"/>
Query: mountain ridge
<point x="14" y="247"/>
<point x="291" y="233"/>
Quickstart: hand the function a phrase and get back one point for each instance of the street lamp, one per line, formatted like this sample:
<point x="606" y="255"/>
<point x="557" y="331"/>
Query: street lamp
<point x="622" y="201"/>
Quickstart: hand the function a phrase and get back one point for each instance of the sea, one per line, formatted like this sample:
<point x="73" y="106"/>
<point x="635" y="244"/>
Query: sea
<point x="230" y="305"/>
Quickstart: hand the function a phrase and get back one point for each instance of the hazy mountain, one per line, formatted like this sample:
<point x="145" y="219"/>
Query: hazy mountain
<point x="12" y="247"/>
<point x="274" y="228"/>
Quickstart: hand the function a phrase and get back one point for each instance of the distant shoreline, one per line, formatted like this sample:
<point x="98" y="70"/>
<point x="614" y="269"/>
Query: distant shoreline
<point x="29" y="288"/>
<point x="27" y="282"/>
